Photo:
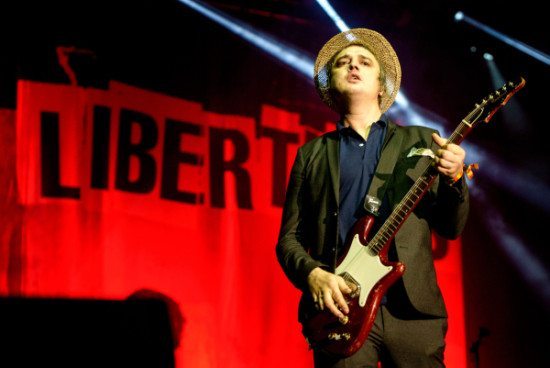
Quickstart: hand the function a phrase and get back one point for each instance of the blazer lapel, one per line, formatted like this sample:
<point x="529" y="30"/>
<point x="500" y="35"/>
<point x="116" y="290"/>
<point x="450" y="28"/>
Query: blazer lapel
<point x="333" y="157"/>
<point x="388" y="158"/>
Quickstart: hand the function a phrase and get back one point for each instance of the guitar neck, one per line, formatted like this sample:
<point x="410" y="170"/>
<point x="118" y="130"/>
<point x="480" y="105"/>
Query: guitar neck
<point x="409" y="202"/>
<point x="462" y="130"/>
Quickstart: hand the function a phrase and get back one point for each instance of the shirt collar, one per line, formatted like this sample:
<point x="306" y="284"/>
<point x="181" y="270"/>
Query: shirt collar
<point x="383" y="122"/>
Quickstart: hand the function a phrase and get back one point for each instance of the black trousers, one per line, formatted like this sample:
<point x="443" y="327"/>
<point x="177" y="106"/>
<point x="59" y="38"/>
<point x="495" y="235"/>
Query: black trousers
<point x="397" y="342"/>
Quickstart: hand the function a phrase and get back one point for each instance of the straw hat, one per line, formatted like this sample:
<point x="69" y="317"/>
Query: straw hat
<point x="377" y="44"/>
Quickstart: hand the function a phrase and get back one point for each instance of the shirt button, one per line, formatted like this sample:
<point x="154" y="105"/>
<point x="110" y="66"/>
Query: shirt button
<point x="335" y="214"/>
<point x="361" y="144"/>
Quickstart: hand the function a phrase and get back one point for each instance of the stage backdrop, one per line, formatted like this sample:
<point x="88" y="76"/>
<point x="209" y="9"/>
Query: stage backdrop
<point x="105" y="192"/>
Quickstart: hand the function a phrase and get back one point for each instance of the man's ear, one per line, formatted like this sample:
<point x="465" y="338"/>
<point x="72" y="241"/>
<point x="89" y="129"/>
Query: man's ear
<point x="381" y="89"/>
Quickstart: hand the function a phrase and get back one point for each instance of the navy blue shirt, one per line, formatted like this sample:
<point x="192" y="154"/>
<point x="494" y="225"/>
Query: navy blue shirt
<point x="358" y="161"/>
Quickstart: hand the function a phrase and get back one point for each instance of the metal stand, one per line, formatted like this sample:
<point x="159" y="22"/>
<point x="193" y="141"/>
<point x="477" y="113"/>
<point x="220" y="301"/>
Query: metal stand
<point x="474" y="349"/>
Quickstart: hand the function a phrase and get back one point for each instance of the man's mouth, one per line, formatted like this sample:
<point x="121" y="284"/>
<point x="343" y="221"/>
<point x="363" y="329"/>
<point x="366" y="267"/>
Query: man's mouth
<point x="353" y="77"/>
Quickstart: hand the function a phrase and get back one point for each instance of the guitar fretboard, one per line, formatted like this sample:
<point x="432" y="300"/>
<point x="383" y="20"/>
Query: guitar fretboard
<point x="400" y="213"/>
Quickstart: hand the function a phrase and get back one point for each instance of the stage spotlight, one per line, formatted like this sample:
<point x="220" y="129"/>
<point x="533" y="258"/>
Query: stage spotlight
<point x="488" y="57"/>
<point x="460" y="16"/>
<point x="496" y="76"/>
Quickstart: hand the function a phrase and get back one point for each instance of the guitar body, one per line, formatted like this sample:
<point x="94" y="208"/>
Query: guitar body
<point x="369" y="276"/>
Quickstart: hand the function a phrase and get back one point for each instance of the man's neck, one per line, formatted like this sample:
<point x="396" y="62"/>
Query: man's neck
<point x="361" y="120"/>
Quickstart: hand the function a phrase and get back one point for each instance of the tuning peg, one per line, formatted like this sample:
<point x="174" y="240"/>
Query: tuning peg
<point x="469" y="170"/>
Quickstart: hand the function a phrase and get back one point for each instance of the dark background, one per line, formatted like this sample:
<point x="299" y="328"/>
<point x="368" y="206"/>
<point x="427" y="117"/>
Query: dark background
<point x="163" y="45"/>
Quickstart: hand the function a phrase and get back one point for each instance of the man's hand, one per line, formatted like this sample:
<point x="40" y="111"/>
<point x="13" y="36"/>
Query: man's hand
<point x="449" y="159"/>
<point x="326" y="289"/>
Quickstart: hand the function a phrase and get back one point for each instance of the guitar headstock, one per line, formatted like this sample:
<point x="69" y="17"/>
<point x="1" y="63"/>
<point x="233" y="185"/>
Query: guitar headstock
<point x="490" y="104"/>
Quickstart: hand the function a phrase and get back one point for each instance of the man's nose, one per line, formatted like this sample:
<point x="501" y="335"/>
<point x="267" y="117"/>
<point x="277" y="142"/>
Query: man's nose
<point x="353" y="65"/>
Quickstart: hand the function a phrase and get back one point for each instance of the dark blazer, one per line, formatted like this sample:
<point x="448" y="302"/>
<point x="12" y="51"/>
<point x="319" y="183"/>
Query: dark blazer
<point x="309" y="230"/>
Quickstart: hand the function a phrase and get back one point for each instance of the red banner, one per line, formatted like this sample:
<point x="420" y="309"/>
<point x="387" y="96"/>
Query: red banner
<point x="125" y="189"/>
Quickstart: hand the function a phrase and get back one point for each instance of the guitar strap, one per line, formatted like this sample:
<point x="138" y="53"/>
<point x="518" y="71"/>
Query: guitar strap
<point x="383" y="173"/>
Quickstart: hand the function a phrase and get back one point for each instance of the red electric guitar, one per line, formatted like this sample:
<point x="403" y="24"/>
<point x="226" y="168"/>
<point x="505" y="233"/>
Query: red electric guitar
<point x="365" y="265"/>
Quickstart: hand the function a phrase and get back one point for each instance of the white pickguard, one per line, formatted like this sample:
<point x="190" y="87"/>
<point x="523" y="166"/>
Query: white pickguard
<point x="364" y="266"/>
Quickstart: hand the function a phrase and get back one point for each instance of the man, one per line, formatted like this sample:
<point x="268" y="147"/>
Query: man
<point x="357" y="73"/>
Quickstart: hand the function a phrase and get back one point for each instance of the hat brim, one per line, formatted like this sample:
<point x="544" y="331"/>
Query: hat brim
<point x="375" y="43"/>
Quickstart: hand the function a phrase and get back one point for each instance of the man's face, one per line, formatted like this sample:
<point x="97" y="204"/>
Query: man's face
<point x="355" y="72"/>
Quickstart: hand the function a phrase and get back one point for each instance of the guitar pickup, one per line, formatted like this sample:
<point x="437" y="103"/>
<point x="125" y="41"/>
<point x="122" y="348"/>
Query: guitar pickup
<point x="353" y="285"/>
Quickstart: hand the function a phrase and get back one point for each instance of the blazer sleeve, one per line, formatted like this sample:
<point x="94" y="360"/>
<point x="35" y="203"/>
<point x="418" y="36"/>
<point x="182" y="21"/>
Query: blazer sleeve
<point x="292" y="244"/>
<point x="451" y="206"/>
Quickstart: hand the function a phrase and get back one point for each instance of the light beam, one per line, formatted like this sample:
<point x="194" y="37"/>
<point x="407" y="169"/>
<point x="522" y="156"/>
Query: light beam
<point x="342" y="26"/>
<point x="278" y="49"/>
<point x="539" y="55"/>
